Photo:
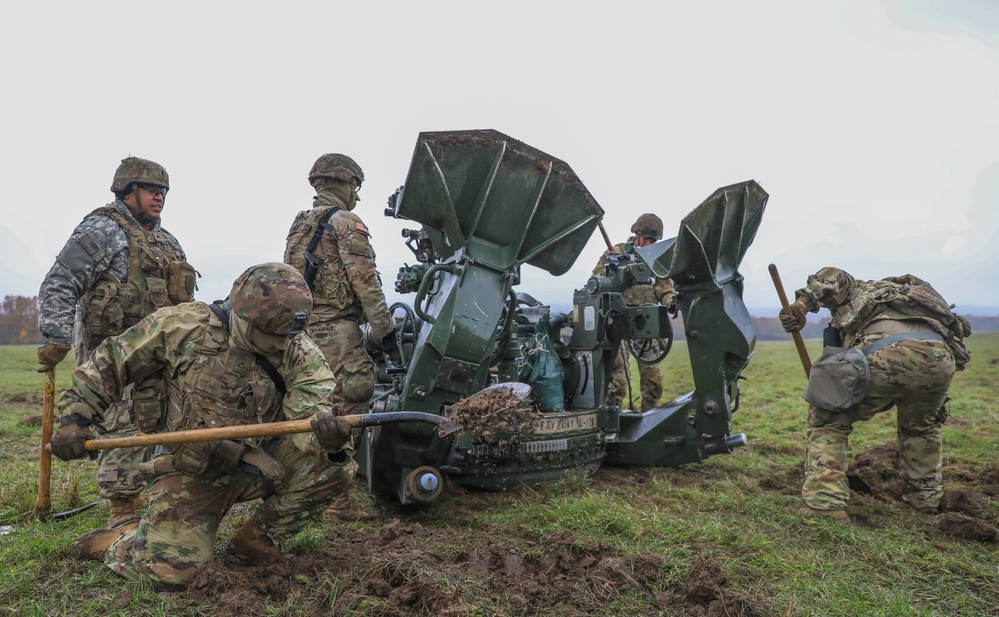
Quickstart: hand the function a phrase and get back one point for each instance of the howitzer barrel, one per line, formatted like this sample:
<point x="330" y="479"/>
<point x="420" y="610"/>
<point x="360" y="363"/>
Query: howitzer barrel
<point x="445" y="427"/>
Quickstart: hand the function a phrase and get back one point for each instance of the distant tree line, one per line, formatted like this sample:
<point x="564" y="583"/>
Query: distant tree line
<point x="19" y="321"/>
<point x="769" y="328"/>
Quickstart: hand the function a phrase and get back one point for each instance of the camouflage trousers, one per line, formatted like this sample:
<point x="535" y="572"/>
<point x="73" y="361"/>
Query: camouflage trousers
<point x="176" y="536"/>
<point x="912" y="375"/>
<point x="118" y="472"/>
<point x="342" y="342"/>
<point x="650" y="381"/>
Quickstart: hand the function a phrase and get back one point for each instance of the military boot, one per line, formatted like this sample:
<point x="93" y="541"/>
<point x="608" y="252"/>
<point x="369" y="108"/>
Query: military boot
<point x="93" y="545"/>
<point x="124" y="507"/>
<point x="341" y="510"/>
<point x="253" y="547"/>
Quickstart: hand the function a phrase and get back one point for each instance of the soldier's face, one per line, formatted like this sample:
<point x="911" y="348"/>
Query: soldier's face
<point x="147" y="200"/>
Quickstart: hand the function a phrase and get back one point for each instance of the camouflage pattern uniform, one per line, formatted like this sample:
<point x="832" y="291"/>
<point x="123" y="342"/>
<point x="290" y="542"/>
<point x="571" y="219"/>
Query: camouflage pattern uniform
<point x="211" y="381"/>
<point x="912" y="374"/>
<point x="117" y="273"/>
<point x="346" y="290"/>
<point x="660" y="292"/>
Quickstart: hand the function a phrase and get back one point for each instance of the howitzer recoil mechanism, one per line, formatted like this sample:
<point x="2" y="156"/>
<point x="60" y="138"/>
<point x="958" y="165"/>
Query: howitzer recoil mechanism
<point x="530" y="386"/>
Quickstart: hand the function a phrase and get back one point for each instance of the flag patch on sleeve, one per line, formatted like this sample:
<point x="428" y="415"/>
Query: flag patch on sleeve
<point x="361" y="227"/>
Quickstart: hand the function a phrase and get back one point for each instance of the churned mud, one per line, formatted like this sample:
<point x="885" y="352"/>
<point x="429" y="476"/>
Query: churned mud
<point x="412" y="569"/>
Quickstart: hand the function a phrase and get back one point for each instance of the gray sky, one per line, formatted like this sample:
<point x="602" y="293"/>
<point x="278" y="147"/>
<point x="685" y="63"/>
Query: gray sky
<point x="874" y="126"/>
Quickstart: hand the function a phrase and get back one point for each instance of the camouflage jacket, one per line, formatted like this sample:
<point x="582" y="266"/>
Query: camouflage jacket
<point x="206" y="382"/>
<point x="660" y="292"/>
<point x="97" y="248"/>
<point x="853" y="304"/>
<point x="347" y="285"/>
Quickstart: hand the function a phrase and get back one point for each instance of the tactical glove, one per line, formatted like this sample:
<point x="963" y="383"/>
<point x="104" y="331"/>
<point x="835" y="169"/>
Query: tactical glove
<point x="332" y="431"/>
<point x="51" y="354"/>
<point x="67" y="440"/>
<point x="389" y="342"/>
<point x="796" y="320"/>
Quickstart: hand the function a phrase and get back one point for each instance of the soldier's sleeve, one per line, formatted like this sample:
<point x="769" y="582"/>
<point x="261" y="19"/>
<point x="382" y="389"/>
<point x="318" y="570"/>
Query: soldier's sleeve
<point x="664" y="291"/>
<point x="310" y="384"/>
<point x="162" y="341"/>
<point x="83" y="259"/>
<point x="829" y="288"/>
<point x="358" y="257"/>
<point x="601" y="265"/>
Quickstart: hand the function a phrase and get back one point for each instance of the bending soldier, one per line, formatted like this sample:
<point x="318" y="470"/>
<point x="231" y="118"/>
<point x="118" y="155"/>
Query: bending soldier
<point x="119" y="265"/>
<point x="911" y="367"/>
<point x="239" y="363"/>
<point x="648" y="229"/>
<point x="340" y="269"/>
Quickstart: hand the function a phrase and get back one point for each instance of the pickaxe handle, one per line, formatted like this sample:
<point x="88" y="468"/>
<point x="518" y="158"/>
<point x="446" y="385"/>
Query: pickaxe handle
<point x="288" y="427"/>
<point x="43" y="501"/>
<point x="806" y="362"/>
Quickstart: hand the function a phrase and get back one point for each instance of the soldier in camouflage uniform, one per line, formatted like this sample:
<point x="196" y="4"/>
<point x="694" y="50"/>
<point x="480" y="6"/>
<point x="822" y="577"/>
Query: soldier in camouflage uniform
<point x="239" y="363"/>
<point x="118" y="266"/>
<point x="346" y="292"/>
<point x="648" y="229"/>
<point x="913" y="373"/>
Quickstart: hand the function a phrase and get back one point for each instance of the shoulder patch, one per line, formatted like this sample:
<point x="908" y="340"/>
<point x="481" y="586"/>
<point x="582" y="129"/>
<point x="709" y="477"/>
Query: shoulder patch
<point x="88" y="244"/>
<point x="361" y="227"/>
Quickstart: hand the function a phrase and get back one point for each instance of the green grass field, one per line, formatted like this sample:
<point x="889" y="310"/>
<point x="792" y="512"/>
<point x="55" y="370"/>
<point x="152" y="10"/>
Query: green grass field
<point x="739" y="512"/>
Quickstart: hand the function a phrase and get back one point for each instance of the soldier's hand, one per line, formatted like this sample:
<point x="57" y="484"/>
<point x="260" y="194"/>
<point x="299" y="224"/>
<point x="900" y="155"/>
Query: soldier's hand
<point x="67" y="440"/>
<point x="51" y="354"/>
<point x="332" y="431"/>
<point x="389" y="342"/>
<point x="796" y="320"/>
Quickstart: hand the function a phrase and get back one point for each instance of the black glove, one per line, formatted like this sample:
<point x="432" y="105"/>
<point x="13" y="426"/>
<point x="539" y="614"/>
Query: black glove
<point x="796" y="320"/>
<point x="332" y="431"/>
<point x="51" y="354"/>
<point x="67" y="440"/>
<point x="389" y="342"/>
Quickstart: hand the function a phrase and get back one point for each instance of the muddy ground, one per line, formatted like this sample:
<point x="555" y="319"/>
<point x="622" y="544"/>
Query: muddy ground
<point x="401" y="567"/>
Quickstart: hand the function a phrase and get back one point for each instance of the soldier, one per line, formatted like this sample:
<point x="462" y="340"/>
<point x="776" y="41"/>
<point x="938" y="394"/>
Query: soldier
<point x="911" y="367"/>
<point x="222" y="365"/>
<point x="346" y="291"/>
<point x="648" y="229"/>
<point x="118" y="266"/>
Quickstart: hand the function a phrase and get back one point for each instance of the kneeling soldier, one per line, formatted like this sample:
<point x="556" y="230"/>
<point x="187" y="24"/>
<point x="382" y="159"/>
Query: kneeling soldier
<point x="244" y="362"/>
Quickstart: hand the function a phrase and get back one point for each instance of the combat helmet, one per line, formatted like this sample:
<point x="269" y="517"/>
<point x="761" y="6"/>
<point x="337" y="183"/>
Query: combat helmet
<point x="134" y="170"/>
<point x="268" y="296"/>
<point x="337" y="167"/>
<point x="647" y="225"/>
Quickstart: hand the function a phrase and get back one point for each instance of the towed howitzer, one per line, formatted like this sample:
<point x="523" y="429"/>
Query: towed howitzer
<point x="531" y="386"/>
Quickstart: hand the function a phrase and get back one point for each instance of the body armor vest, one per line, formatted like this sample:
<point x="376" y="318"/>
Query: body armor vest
<point x="225" y="386"/>
<point x="331" y="287"/>
<point x="110" y="307"/>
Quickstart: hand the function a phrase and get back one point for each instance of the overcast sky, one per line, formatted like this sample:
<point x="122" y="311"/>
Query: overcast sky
<point x="873" y="125"/>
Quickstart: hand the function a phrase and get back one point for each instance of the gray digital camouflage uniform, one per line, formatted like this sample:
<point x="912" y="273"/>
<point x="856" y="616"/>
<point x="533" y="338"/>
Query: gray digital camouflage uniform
<point x="913" y="375"/>
<point x="210" y="382"/>
<point x="650" y="376"/>
<point x="115" y="282"/>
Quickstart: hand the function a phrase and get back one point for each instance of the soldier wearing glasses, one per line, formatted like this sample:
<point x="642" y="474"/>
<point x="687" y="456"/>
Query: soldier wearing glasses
<point x="118" y="266"/>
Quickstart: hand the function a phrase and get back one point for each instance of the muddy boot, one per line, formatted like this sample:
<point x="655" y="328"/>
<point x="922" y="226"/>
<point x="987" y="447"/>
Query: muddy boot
<point x="124" y="507"/>
<point x="836" y="515"/>
<point x="342" y="511"/>
<point x="93" y="545"/>
<point x="252" y="547"/>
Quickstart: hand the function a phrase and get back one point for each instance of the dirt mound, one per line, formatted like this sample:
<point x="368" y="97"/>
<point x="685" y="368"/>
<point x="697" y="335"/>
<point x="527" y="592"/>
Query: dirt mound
<point x="32" y="420"/>
<point x="967" y="528"/>
<point x="500" y="414"/>
<point x="411" y="569"/>
<point x="967" y="502"/>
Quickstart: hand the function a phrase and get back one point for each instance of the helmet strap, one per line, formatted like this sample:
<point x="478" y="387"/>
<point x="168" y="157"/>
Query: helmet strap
<point x="138" y="213"/>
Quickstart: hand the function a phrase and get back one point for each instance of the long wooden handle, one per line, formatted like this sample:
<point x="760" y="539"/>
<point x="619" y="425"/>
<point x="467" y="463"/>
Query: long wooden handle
<point x="43" y="501"/>
<point x="270" y="429"/>
<point x="806" y="362"/>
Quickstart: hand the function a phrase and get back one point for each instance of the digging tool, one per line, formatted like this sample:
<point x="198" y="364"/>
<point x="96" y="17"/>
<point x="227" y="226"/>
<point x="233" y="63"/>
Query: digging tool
<point x="603" y="232"/>
<point x="446" y="428"/>
<point x="806" y="363"/>
<point x="43" y="501"/>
